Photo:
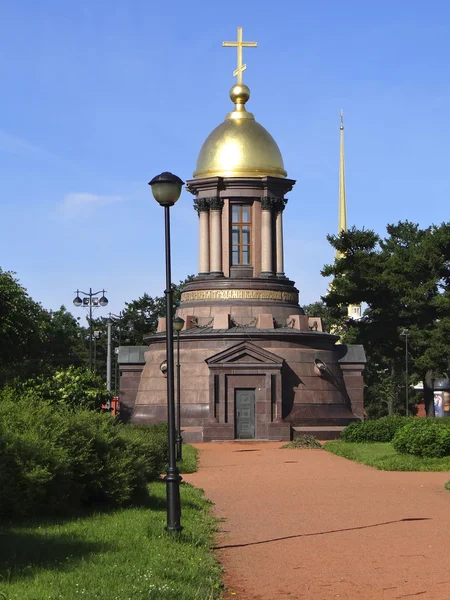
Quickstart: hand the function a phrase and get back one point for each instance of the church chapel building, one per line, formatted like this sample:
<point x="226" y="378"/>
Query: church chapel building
<point x="253" y="365"/>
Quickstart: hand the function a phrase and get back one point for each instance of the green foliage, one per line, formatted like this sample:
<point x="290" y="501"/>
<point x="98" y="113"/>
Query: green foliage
<point x="303" y="441"/>
<point x="114" y="555"/>
<point x="320" y="309"/>
<point x="447" y="485"/>
<point x="35" y="342"/>
<point x="189" y="464"/>
<point x="151" y="442"/>
<point x="404" y="279"/>
<point x="73" y="387"/>
<point x="385" y="457"/>
<point x="424" y="437"/>
<point x="22" y="327"/>
<point x="140" y="317"/>
<point x="377" y="430"/>
<point x="66" y="342"/>
<point x="57" y="461"/>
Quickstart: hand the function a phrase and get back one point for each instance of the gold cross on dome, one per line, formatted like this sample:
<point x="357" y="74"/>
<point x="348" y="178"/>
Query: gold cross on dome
<point x="239" y="45"/>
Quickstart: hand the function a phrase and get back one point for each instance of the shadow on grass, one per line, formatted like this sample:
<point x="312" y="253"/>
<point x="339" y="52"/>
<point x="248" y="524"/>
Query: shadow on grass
<point x="21" y="552"/>
<point x="144" y="499"/>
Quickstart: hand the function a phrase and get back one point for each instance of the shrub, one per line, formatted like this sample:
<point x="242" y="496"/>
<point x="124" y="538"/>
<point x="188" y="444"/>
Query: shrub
<point x="303" y="441"/>
<point x="447" y="485"/>
<point x="56" y="460"/>
<point x="378" y="430"/>
<point x="150" y="443"/>
<point x="424" y="437"/>
<point x="73" y="387"/>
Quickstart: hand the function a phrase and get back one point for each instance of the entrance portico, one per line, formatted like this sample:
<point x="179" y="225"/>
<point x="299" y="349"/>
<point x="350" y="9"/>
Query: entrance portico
<point x="233" y="374"/>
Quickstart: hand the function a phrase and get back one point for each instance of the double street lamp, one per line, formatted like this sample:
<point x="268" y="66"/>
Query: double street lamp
<point x="90" y="301"/>
<point x="166" y="189"/>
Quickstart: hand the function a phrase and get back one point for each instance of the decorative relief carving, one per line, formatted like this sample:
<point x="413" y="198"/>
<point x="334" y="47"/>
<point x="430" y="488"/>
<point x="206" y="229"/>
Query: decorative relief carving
<point x="201" y="204"/>
<point x="215" y="203"/>
<point x="239" y="295"/>
<point x="273" y="203"/>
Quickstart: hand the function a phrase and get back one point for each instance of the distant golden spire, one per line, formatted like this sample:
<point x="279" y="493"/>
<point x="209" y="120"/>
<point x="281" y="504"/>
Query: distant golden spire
<point x="353" y="310"/>
<point x="342" y="218"/>
<point x="239" y="45"/>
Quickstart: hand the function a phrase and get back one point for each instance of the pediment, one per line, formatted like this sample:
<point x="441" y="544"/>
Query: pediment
<point x="245" y="353"/>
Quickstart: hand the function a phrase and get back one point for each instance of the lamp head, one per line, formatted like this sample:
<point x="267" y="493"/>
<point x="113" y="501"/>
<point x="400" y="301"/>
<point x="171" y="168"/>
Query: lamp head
<point x="103" y="301"/>
<point x="166" y="188"/>
<point x="77" y="301"/>
<point x="178" y="323"/>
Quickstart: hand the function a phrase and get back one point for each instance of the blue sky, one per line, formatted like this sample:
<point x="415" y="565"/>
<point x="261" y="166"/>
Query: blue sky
<point x="100" y="96"/>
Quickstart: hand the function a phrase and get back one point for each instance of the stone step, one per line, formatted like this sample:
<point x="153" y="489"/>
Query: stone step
<point x="192" y="434"/>
<point x="321" y="432"/>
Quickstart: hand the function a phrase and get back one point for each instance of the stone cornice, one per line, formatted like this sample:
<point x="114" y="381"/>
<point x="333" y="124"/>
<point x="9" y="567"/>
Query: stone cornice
<point x="237" y="187"/>
<point x="321" y="340"/>
<point x="210" y="186"/>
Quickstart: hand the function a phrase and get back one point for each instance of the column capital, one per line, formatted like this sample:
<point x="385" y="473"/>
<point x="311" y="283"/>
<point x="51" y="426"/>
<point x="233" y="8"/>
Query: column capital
<point x="201" y="204"/>
<point x="204" y="204"/>
<point x="273" y="203"/>
<point x="215" y="203"/>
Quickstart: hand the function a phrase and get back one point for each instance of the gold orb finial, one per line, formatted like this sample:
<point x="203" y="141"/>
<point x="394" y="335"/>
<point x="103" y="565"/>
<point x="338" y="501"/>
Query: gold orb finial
<point x="239" y="94"/>
<point x="239" y="147"/>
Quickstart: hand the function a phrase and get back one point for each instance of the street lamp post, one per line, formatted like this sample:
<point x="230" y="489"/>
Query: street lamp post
<point x="405" y="333"/>
<point x="90" y="301"/>
<point x="166" y="189"/>
<point x="178" y="324"/>
<point x="96" y="337"/>
<point x="109" y="351"/>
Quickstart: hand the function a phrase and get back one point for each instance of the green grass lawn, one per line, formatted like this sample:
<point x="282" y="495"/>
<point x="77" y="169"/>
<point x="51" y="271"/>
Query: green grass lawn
<point x="385" y="457"/>
<point x="190" y="460"/>
<point x="116" y="555"/>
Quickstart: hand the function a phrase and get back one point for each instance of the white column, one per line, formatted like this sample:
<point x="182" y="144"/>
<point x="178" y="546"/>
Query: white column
<point x="216" y="241"/>
<point x="280" y="252"/>
<point x="203" y="252"/>
<point x="266" y="243"/>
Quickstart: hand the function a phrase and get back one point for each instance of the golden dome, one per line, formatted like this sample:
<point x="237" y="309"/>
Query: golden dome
<point x="239" y="147"/>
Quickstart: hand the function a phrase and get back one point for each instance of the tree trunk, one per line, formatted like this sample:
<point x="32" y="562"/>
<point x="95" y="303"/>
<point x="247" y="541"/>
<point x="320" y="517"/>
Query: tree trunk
<point x="391" y="397"/>
<point x="428" y="393"/>
<point x="390" y="405"/>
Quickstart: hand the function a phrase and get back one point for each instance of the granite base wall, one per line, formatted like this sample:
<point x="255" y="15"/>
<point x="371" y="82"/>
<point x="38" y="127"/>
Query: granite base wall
<point x="307" y="398"/>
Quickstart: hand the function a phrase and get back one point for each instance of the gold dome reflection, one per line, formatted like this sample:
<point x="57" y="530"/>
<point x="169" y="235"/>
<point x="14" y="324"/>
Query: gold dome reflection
<point x="239" y="147"/>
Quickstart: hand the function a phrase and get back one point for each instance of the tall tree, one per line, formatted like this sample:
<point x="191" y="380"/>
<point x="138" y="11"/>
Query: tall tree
<point x="329" y="319"/>
<point x="23" y="326"/>
<point x="139" y="318"/>
<point x="66" y="342"/>
<point x="404" y="280"/>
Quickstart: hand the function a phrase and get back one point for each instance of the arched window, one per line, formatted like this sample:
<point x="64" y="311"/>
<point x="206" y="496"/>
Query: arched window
<point x="241" y="234"/>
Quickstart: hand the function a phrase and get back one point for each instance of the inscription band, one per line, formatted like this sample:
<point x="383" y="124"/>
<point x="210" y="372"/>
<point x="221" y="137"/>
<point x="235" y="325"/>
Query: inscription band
<point x="239" y="295"/>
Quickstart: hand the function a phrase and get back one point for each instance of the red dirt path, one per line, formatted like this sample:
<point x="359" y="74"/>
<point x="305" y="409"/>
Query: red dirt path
<point x="305" y="524"/>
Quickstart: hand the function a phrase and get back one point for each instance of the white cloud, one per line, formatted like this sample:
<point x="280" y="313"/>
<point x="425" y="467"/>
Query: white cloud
<point x="81" y="204"/>
<point x="15" y="145"/>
